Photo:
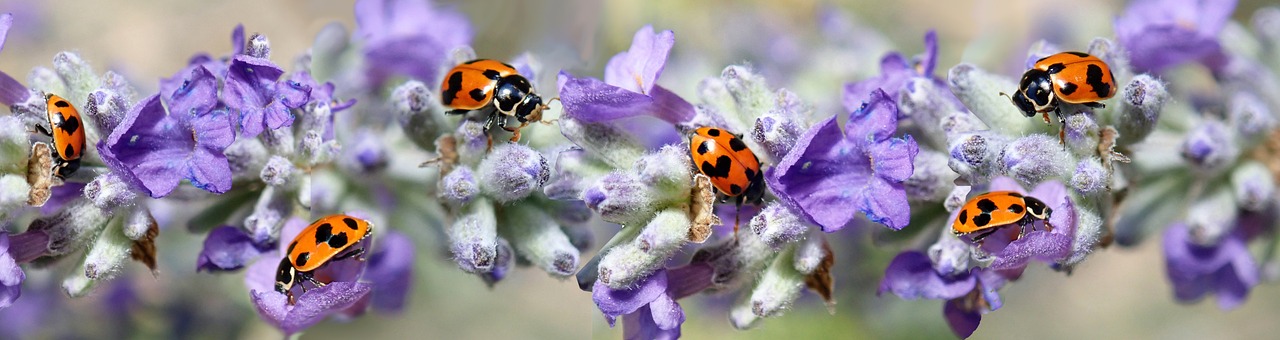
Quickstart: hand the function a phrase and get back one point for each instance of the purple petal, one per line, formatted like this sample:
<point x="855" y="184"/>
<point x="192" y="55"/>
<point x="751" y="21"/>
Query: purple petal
<point x="875" y="121"/>
<point x="886" y="203"/>
<point x="823" y="177"/>
<point x="237" y="40"/>
<point x="197" y="94"/>
<point x="310" y="308"/>
<point x="408" y="37"/>
<point x="6" y="21"/>
<point x="689" y="279"/>
<point x="1196" y="270"/>
<point x="209" y="168"/>
<point x="1163" y="33"/>
<point x="1042" y="245"/>
<point x="292" y="93"/>
<point x="391" y="271"/>
<point x="669" y="107"/>
<point x="962" y="322"/>
<point x="638" y="68"/>
<point x="911" y="276"/>
<point x="12" y="91"/>
<point x="148" y="148"/>
<point x="640" y="326"/>
<point x="894" y="73"/>
<point x="11" y="275"/>
<point x="261" y="275"/>
<point x="591" y="100"/>
<point x="250" y="89"/>
<point x="929" y="60"/>
<point x="226" y="248"/>
<point x="667" y="314"/>
<point x="893" y="160"/>
<point x="615" y="302"/>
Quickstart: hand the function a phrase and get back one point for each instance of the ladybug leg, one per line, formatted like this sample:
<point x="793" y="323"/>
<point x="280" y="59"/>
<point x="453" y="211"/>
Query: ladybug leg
<point x="977" y="238"/>
<point x="315" y="282"/>
<point x="1096" y="105"/>
<point x="291" y="299"/>
<point x="457" y="112"/>
<point x="515" y="132"/>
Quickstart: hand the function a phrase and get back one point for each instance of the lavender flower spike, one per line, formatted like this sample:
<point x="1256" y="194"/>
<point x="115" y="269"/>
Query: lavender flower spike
<point x="626" y="264"/>
<point x="539" y="239"/>
<point x="1163" y="33"/>
<point x="512" y="172"/>
<point x="1196" y="270"/>
<point x="830" y="176"/>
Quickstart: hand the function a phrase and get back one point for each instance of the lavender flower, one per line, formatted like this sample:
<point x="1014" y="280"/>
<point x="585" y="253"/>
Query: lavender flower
<point x="408" y="38"/>
<point x="11" y="91"/>
<point x="11" y="276"/>
<point x="649" y="310"/>
<point x="911" y="275"/>
<point x="1195" y="270"/>
<point x="143" y="149"/>
<point x="1164" y="33"/>
<point x="830" y="176"/>
<point x="255" y="92"/>
<point x="228" y="248"/>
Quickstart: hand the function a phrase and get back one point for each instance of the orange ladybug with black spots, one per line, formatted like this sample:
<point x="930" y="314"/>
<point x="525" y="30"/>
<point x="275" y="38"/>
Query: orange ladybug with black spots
<point x="987" y="213"/>
<point x="327" y="240"/>
<point x="733" y="169"/>
<point x="67" y="132"/>
<point x="484" y="84"/>
<point x="1067" y="77"/>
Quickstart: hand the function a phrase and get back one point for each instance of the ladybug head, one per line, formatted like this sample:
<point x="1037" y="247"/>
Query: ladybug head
<point x="530" y="109"/>
<point x="1020" y="100"/>
<point x="285" y="275"/>
<point x="66" y="168"/>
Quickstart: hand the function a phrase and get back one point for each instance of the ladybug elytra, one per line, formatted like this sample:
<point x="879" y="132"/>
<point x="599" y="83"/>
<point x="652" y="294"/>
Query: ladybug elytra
<point x="733" y="169"/>
<point x="1067" y="77"/>
<point x="987" y="213"/>
<point x="324" y="241"/>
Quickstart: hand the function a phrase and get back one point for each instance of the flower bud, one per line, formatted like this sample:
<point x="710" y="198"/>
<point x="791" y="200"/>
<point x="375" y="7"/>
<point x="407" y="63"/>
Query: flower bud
<point x="366" y="154"/>
<point x="77" y="74"/>
<point x="1250" y="116"/>
<point x="278" y="171"/>
<point x="512" y="172"/>
<point x="1035" y="158"/>
<point x="735" y="260"/>
<point x="1090" y="178"/>
<point x="246" y="156"/>
<point x="980" y="92"/>
<point x="459" y="186"/>
<point x="108" y="191"/>
<point x="501" y="264"/>
<point x="778" y="288"/>
<point x="419" y="113"/>
<point x="777" y="226"/>
<point x="108" y="254"/>
<point x="1209" y="147"/>
<point x="258" y="46"/>
<point x="950" y="255"/>
<point x="269" y="213"/>
<point x="627" y="263"/>
<point x="473" y="237"/>
<point x="1081" y="133"/>
<point x="71" y="228"/>
<point x="106" y="109"/>
<point x="780" y="127"/>
<point x="976" y="156"/>
<point x="611" y="144"/>
<point x="1253" y="186"/>
<point x="1141" y="102"/>
<point x="1213" y="216"/>
<point x="810" y="252"/>
<point x="77" y="284"/>
<point x="957" y="198"/>
<point x="667" y="170"/>
<point x="472" y="142"/>
<point x="932" y="179"/>
<point x="15" y="147"/>
<point x="539" y="240"/>
<point x="138" y="223"/>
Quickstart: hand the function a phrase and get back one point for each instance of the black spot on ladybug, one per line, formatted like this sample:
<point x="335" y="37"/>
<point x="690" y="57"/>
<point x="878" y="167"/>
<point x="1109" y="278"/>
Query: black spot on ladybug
<point x="1093" y="76"/>
<point x="69" y="152"/>
<point x="477" y="95"/>
<point x="1078" y="54"/>
<point x="735" y="190"/>
<point x="323" y="233"/>
<point x="964" y="216"/>
<point x="987" y="206"/>
<point x="1015" y="208"/>
<point x="713" y="132"/>
<point x="70" y="124"/>
<point x="302" y="259"/>
<point x="338" y="241"/>
<point x="720" y="169"/>
<point x="982" y="220"/>
<point x="1069" y="88"/>
<point x="451" y="88"/>
<point x="492" y="74"/>
<point x="351" y="223"/>
<point x="706" y="146"/>
<point x="750" y="173"/>
<point x="61" y="103"/>
<point x="291" y="246"/>
<point x="1055" y="68"/>
<point x="737" y="145"/>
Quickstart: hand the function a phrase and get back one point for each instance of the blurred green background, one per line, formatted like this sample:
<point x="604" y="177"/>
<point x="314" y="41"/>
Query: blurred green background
<point x="1118" y="293"/>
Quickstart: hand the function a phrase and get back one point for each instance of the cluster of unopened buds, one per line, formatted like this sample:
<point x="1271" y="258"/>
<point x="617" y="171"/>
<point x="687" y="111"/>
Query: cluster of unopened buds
<point x="298" y="178"/>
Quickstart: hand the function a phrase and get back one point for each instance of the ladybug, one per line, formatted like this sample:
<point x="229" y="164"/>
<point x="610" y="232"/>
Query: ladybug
<point x="324" y="241"/>
<point x="986" y="213"/>
<point x="491" y="84"/>
<point x="68" y="135"/>
<point x="1068" y="77"/>
<point x="733" y="169"/>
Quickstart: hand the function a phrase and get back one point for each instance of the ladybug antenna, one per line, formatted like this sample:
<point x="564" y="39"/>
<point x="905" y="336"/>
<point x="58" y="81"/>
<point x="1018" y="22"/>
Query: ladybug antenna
<point x="1006" y="95"/>
<point x="546" y="106"/>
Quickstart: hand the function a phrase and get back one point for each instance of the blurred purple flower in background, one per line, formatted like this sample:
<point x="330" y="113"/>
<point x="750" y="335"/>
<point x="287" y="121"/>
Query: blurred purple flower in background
<point x="408" y="38"/>
<point x="11" y="276"/>
<point x="228" y="248"/>
<point x="1195" y="270"/>
<point x="830" y="176"/>
<point x="11" y="91"/>
<point x="1164" y="33"/>
<point x="895" y="72"/>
